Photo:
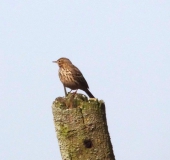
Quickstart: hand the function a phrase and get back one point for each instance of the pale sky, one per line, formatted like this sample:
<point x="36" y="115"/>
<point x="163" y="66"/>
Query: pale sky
<point x="123" y="51"/>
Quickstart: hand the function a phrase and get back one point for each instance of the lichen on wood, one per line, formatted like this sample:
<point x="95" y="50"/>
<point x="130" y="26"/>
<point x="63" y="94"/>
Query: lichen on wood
<point x="81" y="128"/>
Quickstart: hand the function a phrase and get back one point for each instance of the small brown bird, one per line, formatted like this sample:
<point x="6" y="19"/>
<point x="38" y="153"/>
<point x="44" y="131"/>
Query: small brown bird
<point x="71" y="76"/>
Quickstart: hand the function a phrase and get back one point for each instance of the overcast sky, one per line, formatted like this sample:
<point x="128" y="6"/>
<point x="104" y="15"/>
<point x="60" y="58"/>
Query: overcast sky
<point x="123" y="51"/>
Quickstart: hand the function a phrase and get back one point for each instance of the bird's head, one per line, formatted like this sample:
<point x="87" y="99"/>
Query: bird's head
<point x="62" y="62"/>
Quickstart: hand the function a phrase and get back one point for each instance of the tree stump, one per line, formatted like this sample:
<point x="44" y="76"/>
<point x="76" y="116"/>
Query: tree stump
<point x="81" y="128"/>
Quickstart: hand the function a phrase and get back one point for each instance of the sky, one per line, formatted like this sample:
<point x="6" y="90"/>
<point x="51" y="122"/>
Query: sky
<point x="121" y="47"/>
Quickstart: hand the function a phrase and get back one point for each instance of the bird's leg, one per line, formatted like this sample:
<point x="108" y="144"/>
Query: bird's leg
<point x="65" y="91"/>
<point x="70" y="91"/>
<point x="74" y="93"/>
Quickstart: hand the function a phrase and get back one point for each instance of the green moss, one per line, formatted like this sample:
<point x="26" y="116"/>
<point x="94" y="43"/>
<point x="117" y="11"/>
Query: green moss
<point x="64" y="131"/>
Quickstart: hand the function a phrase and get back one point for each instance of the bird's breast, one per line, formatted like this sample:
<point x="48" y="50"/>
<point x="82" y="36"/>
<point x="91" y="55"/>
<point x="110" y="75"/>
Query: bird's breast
<point x="64" y="72"/>
<point x="66" y="78"/>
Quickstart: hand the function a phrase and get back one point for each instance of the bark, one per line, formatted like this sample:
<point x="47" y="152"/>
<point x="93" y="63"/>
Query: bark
<point x="81" y="128"/>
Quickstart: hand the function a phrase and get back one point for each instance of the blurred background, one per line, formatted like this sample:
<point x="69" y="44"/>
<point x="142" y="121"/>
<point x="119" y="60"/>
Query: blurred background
<point x="123" y="51"/>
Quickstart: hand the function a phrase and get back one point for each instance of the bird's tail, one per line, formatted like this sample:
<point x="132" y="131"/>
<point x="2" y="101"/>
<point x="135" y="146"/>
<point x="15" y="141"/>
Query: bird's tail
<point x="89" y="93"/>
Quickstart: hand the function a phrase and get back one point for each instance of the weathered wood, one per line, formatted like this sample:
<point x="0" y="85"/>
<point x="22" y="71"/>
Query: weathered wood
<point x="81" y="128"/>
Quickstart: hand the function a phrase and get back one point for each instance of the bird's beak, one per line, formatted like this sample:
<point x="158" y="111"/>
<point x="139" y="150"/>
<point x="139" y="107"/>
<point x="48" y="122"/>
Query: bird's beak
<point x="54" y="61"/>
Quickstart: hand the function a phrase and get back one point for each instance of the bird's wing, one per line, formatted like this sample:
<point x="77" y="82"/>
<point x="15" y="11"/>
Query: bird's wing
<point x="78" y="76"/>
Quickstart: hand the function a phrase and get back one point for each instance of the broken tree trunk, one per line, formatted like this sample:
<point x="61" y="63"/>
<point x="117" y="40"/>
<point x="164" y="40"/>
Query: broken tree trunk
<point x="81" y="128"/>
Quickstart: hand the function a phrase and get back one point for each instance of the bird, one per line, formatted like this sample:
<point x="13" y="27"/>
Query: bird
<point x="71" y="76"/>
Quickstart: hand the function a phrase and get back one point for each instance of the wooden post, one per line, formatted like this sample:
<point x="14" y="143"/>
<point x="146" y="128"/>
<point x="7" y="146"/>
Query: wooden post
<point x="81" y="128"/>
